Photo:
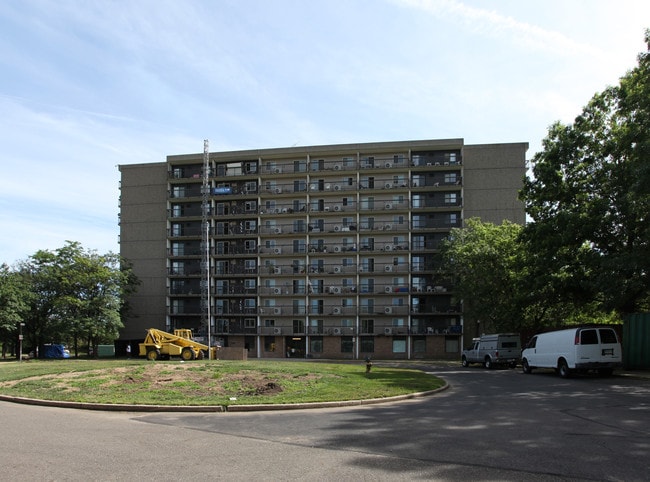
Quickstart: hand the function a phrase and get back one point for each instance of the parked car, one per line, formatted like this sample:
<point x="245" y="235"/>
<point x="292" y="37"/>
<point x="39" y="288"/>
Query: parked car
<point x="55" y="351"/>
<point x="576" y="349"/>
<point x="492" y="350"/>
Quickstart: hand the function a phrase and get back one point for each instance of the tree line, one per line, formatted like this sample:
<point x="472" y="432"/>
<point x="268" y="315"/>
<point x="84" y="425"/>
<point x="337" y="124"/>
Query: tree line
<point x="70" y="295"/>
<point x="585" y="254"/>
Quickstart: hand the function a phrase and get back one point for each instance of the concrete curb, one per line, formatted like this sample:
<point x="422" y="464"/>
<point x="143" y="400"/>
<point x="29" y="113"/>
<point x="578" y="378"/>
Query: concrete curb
<point x="214" y="408"/>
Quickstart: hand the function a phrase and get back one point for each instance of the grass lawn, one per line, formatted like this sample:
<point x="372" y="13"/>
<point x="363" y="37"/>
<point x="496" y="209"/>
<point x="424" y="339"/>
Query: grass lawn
<point x="204" y="382"/>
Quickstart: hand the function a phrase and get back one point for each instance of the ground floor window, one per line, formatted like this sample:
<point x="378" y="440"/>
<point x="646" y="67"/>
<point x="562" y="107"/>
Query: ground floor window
<point x="316" y="344"/>
<point x="269" y="343"/>
<point x="399" y="345"/>
<point x="367" y="344"/>
<point x="347" y="344"/>
<point x="451" y="344"/>
<point x="419" y="344"/>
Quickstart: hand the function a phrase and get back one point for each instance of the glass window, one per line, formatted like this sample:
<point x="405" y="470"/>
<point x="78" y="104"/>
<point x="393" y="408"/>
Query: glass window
<point x="347" y="344"/>
<point x="367" y="344"/>
<point x="269" y="343"/>
<point x="588" y="337"/>
<point x="316" y="344"/>
<point x="419" y="344"/>
<point x="399" y="345"/>
<point x="607" y="335"/>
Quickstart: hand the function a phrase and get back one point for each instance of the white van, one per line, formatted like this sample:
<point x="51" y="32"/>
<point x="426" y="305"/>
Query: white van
<point x="575" y="349"/>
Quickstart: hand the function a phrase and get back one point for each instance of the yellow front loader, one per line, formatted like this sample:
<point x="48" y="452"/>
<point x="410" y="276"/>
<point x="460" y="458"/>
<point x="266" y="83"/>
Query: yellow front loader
<point x="160" y="344"/>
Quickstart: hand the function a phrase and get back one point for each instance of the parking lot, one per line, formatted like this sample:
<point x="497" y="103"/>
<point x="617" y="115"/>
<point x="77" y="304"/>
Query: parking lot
<point x="490" y="424"/>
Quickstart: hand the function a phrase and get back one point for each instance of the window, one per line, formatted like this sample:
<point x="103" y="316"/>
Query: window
<point x="450" y="178"/>
<point x="249" y="323"/>
<point x="250" y="284"/>
<point x="269" y="343"/>
<point x="450" y="198"/>
<point x="588" y="337"/>
<point x="399" y="345"/>
<point x="368" y="326"/>
<point x="347" y="344"/>
<point x="250" y="206"/>
<point x="419" y="344"/>
<point x="367" y="344"/>
<point x="451" y="344"/>
<point x="298" y="326"/>
<point x="316" y="344"/>
<point x="607" y="336"/>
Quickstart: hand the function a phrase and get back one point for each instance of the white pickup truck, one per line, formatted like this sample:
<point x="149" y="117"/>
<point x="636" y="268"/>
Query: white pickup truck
<point x="492" y="350"/>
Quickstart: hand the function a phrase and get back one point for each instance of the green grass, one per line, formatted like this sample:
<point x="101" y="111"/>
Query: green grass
<point x="206" y="382"/>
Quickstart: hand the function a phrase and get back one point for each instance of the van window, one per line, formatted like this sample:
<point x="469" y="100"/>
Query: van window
<point x="607" y="335"/>
<point x="532" y="342"/>
<point x="588" y="337"/>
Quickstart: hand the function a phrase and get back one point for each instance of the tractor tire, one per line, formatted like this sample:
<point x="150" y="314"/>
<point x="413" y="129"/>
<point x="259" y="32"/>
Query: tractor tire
<point x="187" y="354"/>
<point x="153" y="354"/>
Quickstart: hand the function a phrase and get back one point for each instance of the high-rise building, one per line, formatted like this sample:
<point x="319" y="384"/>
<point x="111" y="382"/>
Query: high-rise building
<point x="321" y="251"/>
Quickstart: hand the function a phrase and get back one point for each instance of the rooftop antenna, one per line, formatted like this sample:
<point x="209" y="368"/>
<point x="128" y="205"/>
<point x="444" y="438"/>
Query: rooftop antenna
<point x="205" y="265"/>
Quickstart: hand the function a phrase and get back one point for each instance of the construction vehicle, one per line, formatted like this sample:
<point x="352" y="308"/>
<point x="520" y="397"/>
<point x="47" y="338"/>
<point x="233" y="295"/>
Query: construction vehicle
<point x="160" y="344"/>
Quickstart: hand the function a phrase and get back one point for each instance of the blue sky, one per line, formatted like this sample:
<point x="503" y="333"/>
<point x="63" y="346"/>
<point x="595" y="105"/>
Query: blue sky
<point x="87" y="85"/>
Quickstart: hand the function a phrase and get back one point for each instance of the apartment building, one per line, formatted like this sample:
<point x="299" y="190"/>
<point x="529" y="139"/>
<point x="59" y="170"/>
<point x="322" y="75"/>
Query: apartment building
<point x="320" y="252"/>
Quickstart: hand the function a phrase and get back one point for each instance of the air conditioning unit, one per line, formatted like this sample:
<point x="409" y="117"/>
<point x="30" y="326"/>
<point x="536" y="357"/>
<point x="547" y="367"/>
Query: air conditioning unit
<point x="313" y="187"/>
<point x="388" y="164"/>
<point x="388" y="247"/>
<point x="388" y="206"/>
<point x="337" y="208"/>
<point x="326" y="209"/>
<point x="388" y="289"/>
<point x="337" y="228"/>
<point x="337" y="249"/>
<point x="388" y="331"/>
<point x="337" y="269"/>
<point x="285" y="210"/>
<point x="337" y="187"/>
<point x="328" y="187"/>
<point x="277" y="250"/>
<point x="277" y="331"/>
<point x="277" y="170"/>
<point x="388" y="185"/>
<point x="277" y="270"/>
<point x="336" y="331"/>
<point x="277" y="230"/>
<point x="277" y="311"/>
<point x="360" y="270"/>
<point x="388" y="268"/>
<point x="278" y="190"/>
<point x="388" y="227"/>
<point x="336" y="289"/>
<point x="337" y="167"/>
<point x="336" y="311"/>
<point x="277" y="291"/>
<point x="429" y="289"/>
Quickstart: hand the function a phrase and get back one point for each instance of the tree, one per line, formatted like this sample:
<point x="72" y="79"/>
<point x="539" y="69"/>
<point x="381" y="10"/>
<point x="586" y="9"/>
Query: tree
<point x="13" y="305"/>
<point x="488" y="263"/>
<point x="79" y="295"/>
<point x="589" y="200"/>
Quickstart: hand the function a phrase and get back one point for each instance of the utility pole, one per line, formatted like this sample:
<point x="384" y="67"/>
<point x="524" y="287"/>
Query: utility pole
<point x="205" y="265"/>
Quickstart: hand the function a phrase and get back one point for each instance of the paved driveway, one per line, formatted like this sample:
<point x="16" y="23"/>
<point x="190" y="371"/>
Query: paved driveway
<point x="496" y="424"/>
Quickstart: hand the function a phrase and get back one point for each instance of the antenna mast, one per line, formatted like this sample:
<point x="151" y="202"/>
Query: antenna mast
<point x="205" y="265"/>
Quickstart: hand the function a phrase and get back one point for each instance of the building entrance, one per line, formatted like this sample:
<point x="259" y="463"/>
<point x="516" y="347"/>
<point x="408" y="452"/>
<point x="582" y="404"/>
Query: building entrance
<point x="296" y="346"/>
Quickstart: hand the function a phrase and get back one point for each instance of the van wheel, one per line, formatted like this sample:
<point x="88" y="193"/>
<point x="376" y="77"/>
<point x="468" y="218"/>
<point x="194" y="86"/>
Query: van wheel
<point x="488" y="362"/>
<point x="563" y="369"/>
<point x="465" y="363"/>
<point x="525" y="366"/>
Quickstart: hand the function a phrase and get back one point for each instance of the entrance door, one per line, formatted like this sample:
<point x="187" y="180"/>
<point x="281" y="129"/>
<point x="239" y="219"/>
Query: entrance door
<point x="296" y="346"/>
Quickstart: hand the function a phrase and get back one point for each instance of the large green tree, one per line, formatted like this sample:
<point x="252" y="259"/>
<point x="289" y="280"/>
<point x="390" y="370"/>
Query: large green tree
<point x="589" y="200"/>
<point x="78" y="295"/>
<point x="488" y="264"/>
<point x="13" y="305"/>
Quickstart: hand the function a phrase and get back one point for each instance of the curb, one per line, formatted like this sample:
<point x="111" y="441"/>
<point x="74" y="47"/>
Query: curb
<point x="215" y="408"/>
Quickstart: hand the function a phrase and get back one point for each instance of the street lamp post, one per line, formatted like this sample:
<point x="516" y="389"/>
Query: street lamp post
<point x="20" y="341"/>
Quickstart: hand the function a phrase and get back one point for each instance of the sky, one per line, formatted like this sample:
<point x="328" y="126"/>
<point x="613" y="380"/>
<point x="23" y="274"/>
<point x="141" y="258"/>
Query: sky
<point x="88" y="85"/>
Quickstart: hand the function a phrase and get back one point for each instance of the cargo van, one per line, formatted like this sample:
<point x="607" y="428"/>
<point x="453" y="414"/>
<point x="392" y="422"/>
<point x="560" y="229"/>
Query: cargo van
<point x="492" y="350"/>
<point x="575" y="349"/>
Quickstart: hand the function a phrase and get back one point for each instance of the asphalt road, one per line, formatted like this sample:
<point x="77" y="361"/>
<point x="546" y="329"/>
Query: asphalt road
<point x="490" y="425"/>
